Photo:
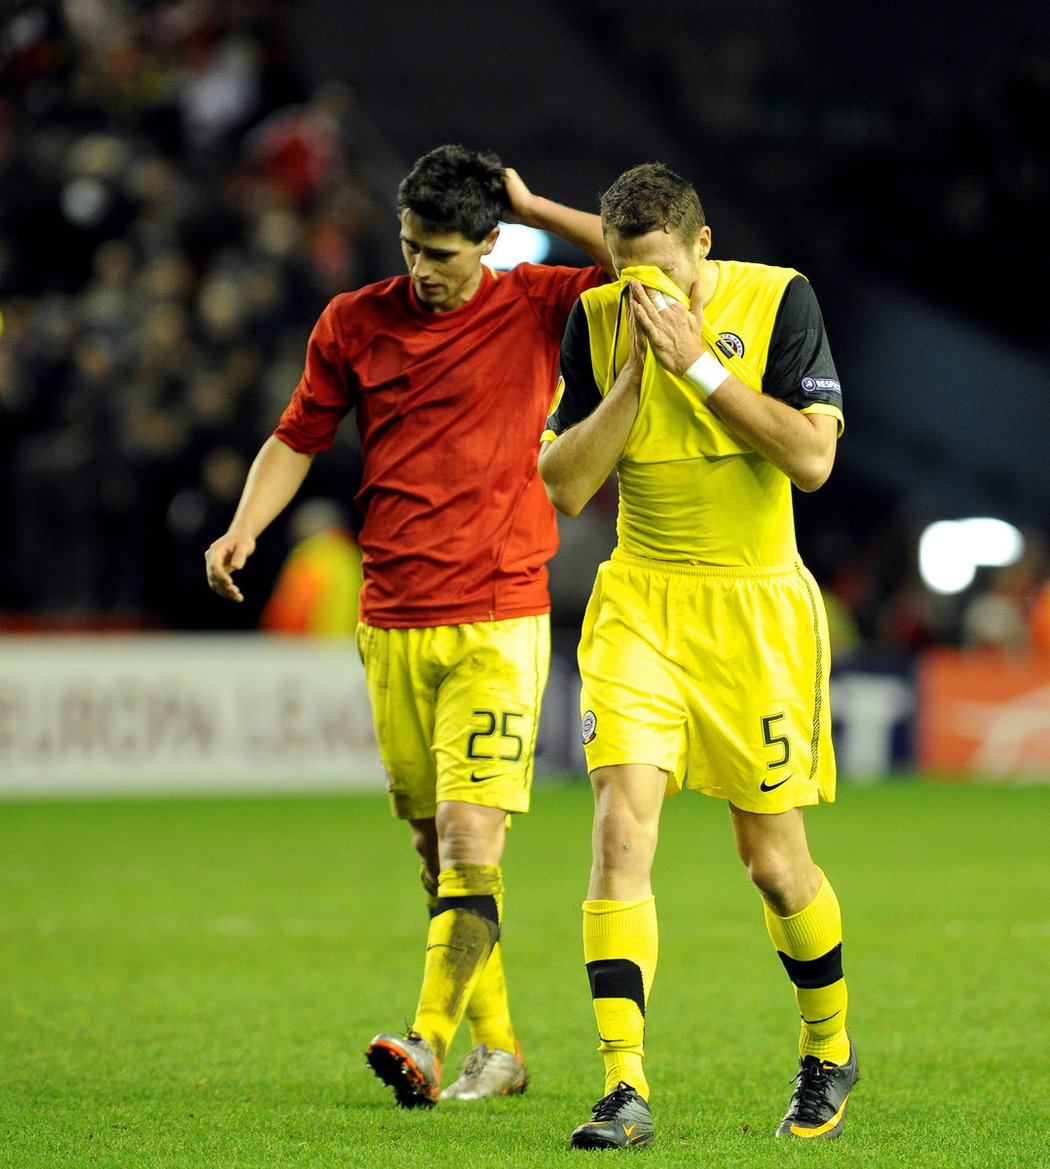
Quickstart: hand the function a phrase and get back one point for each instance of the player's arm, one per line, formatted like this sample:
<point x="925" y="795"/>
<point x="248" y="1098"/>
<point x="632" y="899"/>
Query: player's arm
<point x="276" y="474"/>
<point x="577" y="462"/>
<point x="579" y="228"/>
<point x="801" y="445"/>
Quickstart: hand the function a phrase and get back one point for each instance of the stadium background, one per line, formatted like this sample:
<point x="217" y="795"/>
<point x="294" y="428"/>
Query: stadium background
<point x="183" y="185"/>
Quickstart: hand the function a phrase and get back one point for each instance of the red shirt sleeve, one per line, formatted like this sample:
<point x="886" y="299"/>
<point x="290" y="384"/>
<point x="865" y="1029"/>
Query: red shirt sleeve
<point x="554" y="289"/>
<point x="326" y="392"/>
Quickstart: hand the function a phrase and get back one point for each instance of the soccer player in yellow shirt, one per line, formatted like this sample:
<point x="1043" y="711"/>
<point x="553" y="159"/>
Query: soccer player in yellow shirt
<point x="710" y="388"/>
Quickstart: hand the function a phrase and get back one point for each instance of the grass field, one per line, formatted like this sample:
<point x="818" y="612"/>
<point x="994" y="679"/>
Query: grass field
<point x="191" y="983"/>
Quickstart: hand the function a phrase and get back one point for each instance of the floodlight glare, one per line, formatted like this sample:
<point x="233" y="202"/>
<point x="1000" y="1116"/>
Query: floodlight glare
<point x="951" y="551"/>
<point x="518" y="244"/>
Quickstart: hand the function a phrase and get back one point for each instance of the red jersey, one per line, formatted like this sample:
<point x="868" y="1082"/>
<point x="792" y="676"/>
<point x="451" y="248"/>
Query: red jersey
<point x="450" y="408"/>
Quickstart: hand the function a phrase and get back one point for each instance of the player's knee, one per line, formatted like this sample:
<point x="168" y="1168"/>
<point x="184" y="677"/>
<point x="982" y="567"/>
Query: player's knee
<point x="460" y="844"/>
<point x="786" y="888"/>
<point x="469" y="834"/>
<point x="622" y="840"/>
<point x="773" y="882"/>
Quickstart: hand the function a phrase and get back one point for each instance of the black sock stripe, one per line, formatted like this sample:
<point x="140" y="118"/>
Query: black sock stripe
<point x="816" y="972"/>
<point x="483" y="904"/>
<point x="617" y="978"/>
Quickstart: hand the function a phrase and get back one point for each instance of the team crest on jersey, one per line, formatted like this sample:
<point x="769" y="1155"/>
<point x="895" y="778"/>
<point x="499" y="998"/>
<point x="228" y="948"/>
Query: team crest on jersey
<point x="730" y="344"/>
<point x="590" y="726"/>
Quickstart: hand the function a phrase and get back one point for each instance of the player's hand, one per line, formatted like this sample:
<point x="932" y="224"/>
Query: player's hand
<point x="519" y="195"/>
<point x="674" y="332"/>
<point x="224" y="557"/>
<point x="638" y="350"/>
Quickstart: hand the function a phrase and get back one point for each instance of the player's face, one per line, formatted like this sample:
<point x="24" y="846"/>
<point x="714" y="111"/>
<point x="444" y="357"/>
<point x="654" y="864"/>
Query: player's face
<point x="662" y="249"/>
<point x="445" y="266"/>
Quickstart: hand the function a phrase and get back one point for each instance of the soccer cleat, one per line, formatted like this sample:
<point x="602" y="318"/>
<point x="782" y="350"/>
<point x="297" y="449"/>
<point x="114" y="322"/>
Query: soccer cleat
<point x="407" y="1065"/>
<point x="620" y="1120"/>
<point x="489" y="1073"/>
<point x="818" y="1104"/>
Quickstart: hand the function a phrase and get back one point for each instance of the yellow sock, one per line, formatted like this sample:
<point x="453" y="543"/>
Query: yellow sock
<point x="620" y="944"/>
<point x="810" y="946"/>
<point x="487" y="1011"/>
<point x="463" y="930"/>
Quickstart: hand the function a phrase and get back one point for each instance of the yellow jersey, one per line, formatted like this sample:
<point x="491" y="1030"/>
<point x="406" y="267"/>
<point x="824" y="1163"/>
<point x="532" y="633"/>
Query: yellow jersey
<point x="689" y="488"/>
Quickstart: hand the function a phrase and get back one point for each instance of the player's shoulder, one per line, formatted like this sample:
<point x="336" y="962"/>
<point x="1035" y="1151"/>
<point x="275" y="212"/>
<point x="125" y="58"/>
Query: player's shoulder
<point x="548" y="275"/>
<point x="607" y="292"/>
<point x="771" y="287"/>
<point x="392" y="291"/>
<point x="753" y="272"/>
<point x="359" y="311"/>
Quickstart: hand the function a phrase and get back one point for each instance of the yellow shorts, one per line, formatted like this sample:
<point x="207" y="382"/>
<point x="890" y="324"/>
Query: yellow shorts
<point x="456" y="710"/>
<point x="719" y="676"/>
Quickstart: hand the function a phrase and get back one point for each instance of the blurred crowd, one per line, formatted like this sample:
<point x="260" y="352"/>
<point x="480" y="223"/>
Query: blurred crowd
<point x="903" y="134"/>
<point x="879" y="605"/>
<point x="177" y="205"/>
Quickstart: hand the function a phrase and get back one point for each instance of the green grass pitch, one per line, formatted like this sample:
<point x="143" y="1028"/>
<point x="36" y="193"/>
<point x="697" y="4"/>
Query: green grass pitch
<point x="191" y="983"/>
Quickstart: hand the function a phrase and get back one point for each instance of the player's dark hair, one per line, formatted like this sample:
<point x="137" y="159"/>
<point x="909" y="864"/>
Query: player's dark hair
<point x="650" y="197"/>
<point x="454" y="189"/>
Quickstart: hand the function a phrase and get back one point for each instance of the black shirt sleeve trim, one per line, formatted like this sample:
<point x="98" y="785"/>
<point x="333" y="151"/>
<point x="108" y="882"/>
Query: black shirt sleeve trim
<point x="581" y="394"/>
<point x="800" y="370"/>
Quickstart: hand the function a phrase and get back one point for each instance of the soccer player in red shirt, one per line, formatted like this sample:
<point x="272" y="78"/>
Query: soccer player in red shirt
<point x="449" y="371"/>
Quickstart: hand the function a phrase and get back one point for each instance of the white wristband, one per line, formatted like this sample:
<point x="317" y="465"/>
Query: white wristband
<point x="707" y="373"/>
